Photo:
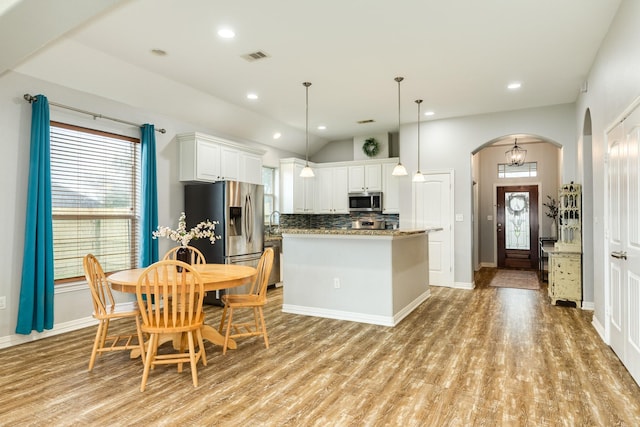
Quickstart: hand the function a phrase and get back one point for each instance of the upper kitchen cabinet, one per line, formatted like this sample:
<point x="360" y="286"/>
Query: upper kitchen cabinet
<point x="390" y="189"/>
<point x="332" y="190"/>
<point x="229" y="164"/>
<point x="251" y="168"/>
<point x="365" y="177"/>
<point x="204" y="158"/>
<point x="297" y="194"/>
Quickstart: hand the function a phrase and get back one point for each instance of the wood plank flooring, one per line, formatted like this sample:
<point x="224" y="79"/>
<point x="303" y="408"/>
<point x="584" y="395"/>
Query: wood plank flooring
<point x="487" y="357"/>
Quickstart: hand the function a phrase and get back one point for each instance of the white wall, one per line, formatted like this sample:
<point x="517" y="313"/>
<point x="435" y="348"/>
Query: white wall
<point x="72" y="302"/>
<point x="334" y="151"/>
<point x="450" y="143"/>
<point x="613" y="84"/>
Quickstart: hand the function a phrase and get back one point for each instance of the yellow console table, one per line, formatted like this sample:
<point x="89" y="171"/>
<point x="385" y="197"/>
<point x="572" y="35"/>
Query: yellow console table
<point x="565" y="276"/>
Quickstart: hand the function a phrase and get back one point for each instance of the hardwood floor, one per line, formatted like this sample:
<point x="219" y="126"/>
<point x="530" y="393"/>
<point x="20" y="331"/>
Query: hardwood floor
<point x="491" y="356"/>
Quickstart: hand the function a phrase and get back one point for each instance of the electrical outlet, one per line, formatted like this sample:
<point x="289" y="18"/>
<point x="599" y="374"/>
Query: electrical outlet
<point x="3" y="303"/>
<point x="336" y="282"/>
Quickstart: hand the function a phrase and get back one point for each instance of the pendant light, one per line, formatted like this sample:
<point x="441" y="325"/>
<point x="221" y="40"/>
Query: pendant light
<point x="307" y="172"/>
<point x="399" y="169"/>
<point x="418" y="177"/>
<point x="515" y="156"/>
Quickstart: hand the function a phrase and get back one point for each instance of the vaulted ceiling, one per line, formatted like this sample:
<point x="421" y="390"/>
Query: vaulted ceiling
<point x="456" y="55"/>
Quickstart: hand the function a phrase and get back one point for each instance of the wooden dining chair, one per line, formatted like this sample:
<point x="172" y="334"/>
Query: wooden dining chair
<point x="255" y="299"/>
<point x="176" y="309"/>
<point x="106" y="309"/>
<point x="195" y="256"/>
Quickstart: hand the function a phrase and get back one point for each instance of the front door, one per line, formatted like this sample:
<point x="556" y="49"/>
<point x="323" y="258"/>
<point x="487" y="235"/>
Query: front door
<point x="517" y="226"/>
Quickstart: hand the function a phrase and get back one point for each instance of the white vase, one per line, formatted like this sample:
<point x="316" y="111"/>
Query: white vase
<point x="554" y="230"/>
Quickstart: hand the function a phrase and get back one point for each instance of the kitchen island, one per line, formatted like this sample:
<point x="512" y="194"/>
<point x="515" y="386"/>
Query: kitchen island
<point x="369" y="276"/>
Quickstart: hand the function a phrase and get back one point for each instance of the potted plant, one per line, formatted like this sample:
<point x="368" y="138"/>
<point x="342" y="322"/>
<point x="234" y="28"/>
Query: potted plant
<point x="552" y="212"/>
<point x="205" y="229"/>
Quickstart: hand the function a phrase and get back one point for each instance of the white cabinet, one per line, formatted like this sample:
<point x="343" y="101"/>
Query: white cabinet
<point x="296" y="193"/>
<point x="250" y="168"/>
<point x="204" y="158"/>
<point x="199" y="160"/>
<point x="565" y="276"/>
<point x="367" y="177"/>
<point x="565" y="260"/>
<point x="390" y="189"/>
<point x="332" y="190"/>
<point x="229" y="164"/>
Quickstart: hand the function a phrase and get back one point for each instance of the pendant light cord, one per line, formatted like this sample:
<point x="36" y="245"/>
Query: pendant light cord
<point x="399" y="79"/>
<point x="418" y="101"/>
<point x="306" y="85"/>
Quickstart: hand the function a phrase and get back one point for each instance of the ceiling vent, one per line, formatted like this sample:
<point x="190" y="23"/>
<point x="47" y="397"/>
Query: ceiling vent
<point x="362" y="122"/>
<point x="254" y="56"/>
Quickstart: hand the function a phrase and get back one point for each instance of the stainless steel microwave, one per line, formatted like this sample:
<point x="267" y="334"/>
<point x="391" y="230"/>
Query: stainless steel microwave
<point x="365" y="202"/>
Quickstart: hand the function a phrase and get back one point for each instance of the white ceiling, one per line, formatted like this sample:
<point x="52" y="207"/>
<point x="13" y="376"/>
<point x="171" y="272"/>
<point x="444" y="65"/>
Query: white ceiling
<point x="457" y="55"/>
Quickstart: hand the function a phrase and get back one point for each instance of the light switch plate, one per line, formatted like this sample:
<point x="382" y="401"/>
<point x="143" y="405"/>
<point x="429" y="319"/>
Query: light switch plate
<point x="3" y="303"/>
<point x="459" y="218"/>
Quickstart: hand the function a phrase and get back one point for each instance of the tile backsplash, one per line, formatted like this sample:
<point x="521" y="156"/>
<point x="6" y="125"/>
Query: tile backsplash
<point x="333" y="221"/>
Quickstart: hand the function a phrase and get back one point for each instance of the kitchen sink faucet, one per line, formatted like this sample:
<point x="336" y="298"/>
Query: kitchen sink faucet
<point x="271" y="217"/>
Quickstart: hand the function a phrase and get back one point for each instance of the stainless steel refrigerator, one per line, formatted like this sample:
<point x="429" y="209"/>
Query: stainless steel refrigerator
<point x="238" y="208"/>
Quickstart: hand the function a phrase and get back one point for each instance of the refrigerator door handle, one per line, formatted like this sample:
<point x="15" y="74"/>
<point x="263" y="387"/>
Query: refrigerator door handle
<point x="248" y="218"/>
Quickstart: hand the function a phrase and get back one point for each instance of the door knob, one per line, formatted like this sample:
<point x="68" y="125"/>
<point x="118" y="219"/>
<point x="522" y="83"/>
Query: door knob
<point x="619" y="254"/>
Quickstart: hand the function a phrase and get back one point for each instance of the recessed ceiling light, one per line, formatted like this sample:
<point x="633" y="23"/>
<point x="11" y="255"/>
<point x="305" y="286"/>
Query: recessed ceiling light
<point x="159" y="52"/>
<point x="514" y="85"/>
<point x="277" y="135"/>
<point x="429" y="113"/>
<point x="252" y="96"/>
<point x="321" y="127"/>
<point x="226" y="33"/>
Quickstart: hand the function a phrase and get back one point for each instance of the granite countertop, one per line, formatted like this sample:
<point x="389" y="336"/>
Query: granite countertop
<point x="359" y="232"/>
<point x="270" y="237"/>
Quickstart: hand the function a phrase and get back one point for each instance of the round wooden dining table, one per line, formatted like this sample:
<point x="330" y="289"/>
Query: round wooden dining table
<point x="214" y="276"/>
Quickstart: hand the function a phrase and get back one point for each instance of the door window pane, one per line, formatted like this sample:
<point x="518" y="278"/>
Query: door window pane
<point x="517" y="220"/>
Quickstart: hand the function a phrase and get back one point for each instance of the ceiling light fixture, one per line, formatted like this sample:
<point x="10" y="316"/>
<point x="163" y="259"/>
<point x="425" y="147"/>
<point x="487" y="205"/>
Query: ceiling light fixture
<point x="399" y="169"/>
<point x="226" y="33"/>
<point x="277" y="135"/>
<point x="516" y="156"/>
<point x="322" y="127"/>
<point x="307" y="172"/>
<point x="514" y="85"/>
<point x="252" y="96"/>
<point x="418" y="177"/>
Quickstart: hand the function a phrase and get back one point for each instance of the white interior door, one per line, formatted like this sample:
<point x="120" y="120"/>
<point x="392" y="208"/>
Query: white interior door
<point x="624" y="241"/>
<point x="432" y="206"/>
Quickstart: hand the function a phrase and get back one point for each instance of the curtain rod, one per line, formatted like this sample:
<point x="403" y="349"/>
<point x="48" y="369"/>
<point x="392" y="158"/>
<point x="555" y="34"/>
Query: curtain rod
<point x="31" y="99"/>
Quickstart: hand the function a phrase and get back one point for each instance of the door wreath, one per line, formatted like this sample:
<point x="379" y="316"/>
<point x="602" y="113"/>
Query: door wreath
<point x="371" y="147"/>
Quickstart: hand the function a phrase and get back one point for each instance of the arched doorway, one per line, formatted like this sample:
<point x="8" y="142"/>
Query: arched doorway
<point x="545" y="174"/>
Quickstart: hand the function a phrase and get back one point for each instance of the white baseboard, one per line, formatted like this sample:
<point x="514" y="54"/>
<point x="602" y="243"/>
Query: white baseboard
<point x="488" y="264"/>
<point x="599" y="329"/>
<point x="356" y="317"/>
<point x="60" y="328"/>
<point x="458" y="285"/>
<point x="588" y="305"/>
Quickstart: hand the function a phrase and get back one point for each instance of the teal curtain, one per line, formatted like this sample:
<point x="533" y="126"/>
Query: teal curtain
<point x="149" y="202"/>
<point x="35" y="310"/>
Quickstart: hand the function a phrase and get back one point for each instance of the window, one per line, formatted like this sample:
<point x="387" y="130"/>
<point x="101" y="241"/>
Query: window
<point x="527" y="170"/>
<point x="269" y="183"/>
<point x="517" y="226"/>
<point x="95" y="198"/>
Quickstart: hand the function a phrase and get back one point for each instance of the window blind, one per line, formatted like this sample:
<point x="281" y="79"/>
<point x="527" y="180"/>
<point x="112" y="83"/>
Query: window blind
<point x="95" y="198"/>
